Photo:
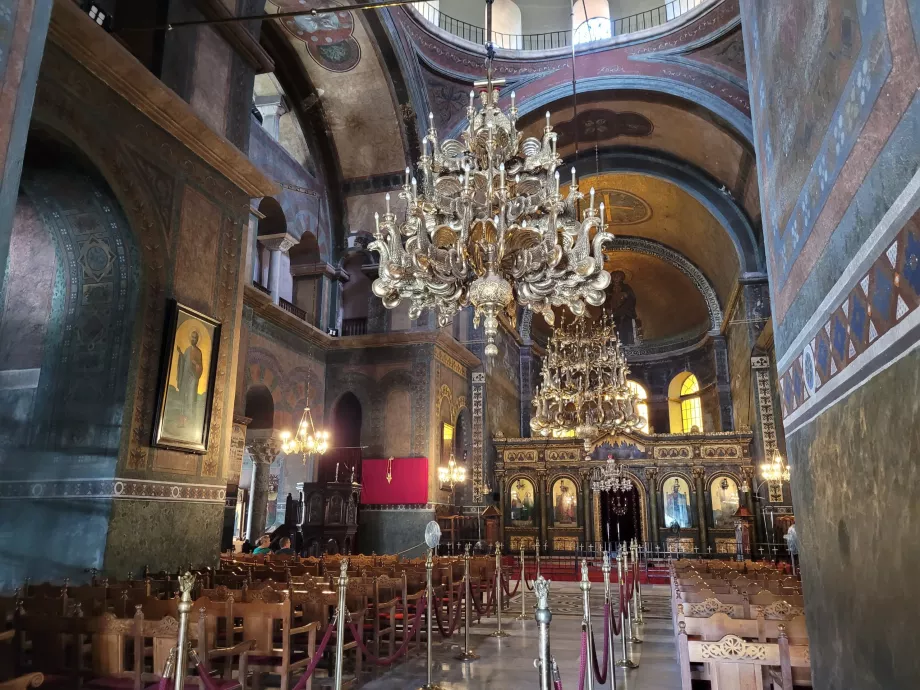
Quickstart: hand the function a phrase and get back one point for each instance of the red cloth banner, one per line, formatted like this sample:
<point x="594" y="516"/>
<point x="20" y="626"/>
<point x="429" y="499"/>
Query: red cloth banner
<point x="409" y="482"/>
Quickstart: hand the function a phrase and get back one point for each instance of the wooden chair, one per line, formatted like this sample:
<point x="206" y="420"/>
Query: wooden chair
<point x="259" y="623"/>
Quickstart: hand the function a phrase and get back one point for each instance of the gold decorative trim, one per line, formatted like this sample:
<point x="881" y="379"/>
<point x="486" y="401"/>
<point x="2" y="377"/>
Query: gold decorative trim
<point x="449" y="362"/>
<point x="673" y="453"/>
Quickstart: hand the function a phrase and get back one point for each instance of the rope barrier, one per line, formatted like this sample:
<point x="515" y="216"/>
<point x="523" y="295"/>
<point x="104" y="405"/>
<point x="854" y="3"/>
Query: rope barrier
<point x="317" y="655"/>
<point x="599" y="675"/>
<point x="386" y="661"/>
<point x="454" y="620"/>
<point x="583" y="661"/>
<point x="490" y="602"/>
<point x="506" y="586"/>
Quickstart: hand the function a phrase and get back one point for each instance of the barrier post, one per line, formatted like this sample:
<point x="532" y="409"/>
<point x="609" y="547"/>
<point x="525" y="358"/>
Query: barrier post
<point x="625" y="662"/>
<point x="639" y="608"/>
<point x="585" y="587"/>
<point x="186" y="582"/>
<point x="499" y="601"/>
<point x="611" y="647"/>
<point x="523" y="586"/>
<point x="466" y="653"/>
<point x="543" y="615"/>
<point x="340" y="624"/>
<point x="628" y="567"/>
<point x="429" y="597"/>
<point x="537" y="556"/>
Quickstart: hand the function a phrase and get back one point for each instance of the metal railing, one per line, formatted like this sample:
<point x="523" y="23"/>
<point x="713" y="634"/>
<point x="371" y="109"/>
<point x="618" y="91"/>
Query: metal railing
<point x="594" y="29"/>
<point x="292" y="308"/>
<point x="354" y="326"/>
<point x="258" y="286"/>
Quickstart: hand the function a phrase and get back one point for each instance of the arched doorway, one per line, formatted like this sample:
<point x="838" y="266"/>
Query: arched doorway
<point x="621" y="516"/>
<point x="346" y="441"/>
<point x="260" y="407"/>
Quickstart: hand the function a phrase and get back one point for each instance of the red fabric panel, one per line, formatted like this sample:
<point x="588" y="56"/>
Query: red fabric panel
<point x="409" y="485"/>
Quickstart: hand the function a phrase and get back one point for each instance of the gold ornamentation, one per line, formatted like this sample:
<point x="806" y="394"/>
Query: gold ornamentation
<point x="449" y="362"/>
<point x="390" y="469"/>
<point x="720" y="452"/>
<point x="673" y="452"/>
<point x="733" y="648"/>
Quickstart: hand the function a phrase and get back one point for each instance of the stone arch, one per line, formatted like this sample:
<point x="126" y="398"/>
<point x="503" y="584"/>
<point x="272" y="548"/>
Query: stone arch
<point x="680" y="262"/>
<point x="260" y="407"/>
<point x="274" y="221"/>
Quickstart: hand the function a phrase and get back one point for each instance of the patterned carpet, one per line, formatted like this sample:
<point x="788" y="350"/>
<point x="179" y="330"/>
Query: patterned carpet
<point x="570" y="603"/>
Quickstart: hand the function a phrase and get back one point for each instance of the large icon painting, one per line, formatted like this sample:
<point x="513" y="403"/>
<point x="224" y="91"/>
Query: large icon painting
<point x="328" y="37"/>
<point x="676" y="502"/>
<point x="724" y="492"/>
<point x="522" y="494"/>
<point x="565" y="503"/>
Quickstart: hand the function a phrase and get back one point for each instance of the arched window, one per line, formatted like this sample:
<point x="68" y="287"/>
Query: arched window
<point x="686" y="409"/>
<point x="642" y="394"/>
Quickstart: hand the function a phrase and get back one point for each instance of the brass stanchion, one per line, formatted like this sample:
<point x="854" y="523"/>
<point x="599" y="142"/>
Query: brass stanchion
<point x="499" y="600"/>
<point x="625" y="662"/>
<point x="340" y="624"/>
<point x="544" y="662"/>
<point x="640" y="607"/>
<point x="611" y="647"/>
<point x="537" y="556"/>
<point x="429" y="596"/>
<point x="630" y="604"/>
<point x="466" y="654"/>
<point x="523" y="586"/>
<point x="585" y="587"/>
<point x="186" y="582"/>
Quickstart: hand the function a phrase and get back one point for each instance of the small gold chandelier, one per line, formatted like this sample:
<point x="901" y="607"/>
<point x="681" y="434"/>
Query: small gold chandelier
<point x="452" y="473"/>
<point x="486" y="225"/>
<point x="584" y="386"/>
<point x="307" y="440"/>
<point x="776" y="470"/>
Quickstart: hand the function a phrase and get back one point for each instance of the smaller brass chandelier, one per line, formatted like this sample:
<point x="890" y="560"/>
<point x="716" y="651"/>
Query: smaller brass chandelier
<point x="611" y="477"/>
<point x="307" y="440"/>
<point x="452" y="474"/>
<point x="776" y="470"/>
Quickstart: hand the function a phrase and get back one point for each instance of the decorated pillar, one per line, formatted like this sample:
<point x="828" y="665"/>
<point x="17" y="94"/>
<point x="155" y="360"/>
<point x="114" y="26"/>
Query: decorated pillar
<point x="23" y="28"/>
<point x="723" y="383"/>
<point x="234" y="468"/>
<point x="280" y="262"/>
<point x="263" y="448"/>
<point x="651" y="475"/>
<point x="747" y="475"/>
<point x="586" y="501"/>
<point x="505" y="508"/>
<point x="545" y="498"/>
<point x="698" y="474"/>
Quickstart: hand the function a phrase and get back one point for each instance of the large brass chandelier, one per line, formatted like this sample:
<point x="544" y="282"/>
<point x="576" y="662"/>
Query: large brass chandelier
<point x="485" y="224"/>
<point x="584" y="385"/>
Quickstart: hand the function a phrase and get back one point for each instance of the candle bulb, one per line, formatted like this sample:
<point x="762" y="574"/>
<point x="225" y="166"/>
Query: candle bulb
<point x="430" y="120"/>
<point x="573" y="176"/>
<point x="388" y="203"/>
<point x="501" y="174"/>
<point x="512" y="100"/>
<point x="554" y="145"/>
<point x="547" y="118"/>
<point x="414" y="188"/>
<point x="408" y="175"/>
<point x="602" y="214"/>
<point x="377" y="221"/>
<point x="592" y="198"/>
<point x="466" y="177"/>
<point x="472" y="99"/>
<point x="556" y="175"/>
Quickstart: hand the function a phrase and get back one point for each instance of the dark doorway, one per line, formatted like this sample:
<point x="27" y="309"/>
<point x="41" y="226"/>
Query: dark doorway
<point x="260" y="408"/>
<point x="346" y="441"/>
<point x="620" y="517"/>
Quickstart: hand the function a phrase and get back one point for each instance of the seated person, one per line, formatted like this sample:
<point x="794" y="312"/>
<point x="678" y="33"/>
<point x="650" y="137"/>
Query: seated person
<point x="264" y="547"/>
<point x="285" y="549"/>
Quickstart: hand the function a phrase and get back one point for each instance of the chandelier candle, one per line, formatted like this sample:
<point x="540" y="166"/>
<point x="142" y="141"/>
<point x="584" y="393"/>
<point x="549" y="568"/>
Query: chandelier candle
<point x="486" y="225"/>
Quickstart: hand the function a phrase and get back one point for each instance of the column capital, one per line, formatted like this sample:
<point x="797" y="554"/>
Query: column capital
<point x="698" y="473"/>
<point x="651" y="473"/>
<point x="281" y="241"/>
<point x="263" y="445"/>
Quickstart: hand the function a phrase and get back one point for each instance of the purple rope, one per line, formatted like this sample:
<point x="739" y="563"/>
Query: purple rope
<point x="583" y="662"/>
<point x="602" y="675"/>
<point x="317" y="655"/>
<point x="386" y="661"/>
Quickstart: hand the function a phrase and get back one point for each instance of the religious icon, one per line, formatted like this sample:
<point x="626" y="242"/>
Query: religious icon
<point x="724" y="492"/>
<point x="565" y="503"/>
<point x="677" y="503"/>
<point x="187" y="391"/>
<point x="522" y="502"/>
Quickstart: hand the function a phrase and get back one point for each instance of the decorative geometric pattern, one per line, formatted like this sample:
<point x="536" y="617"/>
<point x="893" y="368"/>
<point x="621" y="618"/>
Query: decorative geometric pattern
<point x="733" y="648"/>
<point x="145" y="490"/>
<point x="883" y="296"/>
<point x="479" y="384"/>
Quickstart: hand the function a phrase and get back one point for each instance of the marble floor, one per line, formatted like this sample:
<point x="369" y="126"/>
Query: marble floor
<point x="508" y="663"/>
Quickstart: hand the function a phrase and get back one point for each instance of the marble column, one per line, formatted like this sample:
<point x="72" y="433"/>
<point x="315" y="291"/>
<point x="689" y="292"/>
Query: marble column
<point x="23" y="29"/>
<point x="505" y="507"/>
<point x="271" y="108"/>
<point x="698" y="474"/>
<point x="747" y="475"/>
<point x="252" y="266"/>
<point x="278" y="245"/>
<point x="234" y="468"/>
<point x="586" y="501"/>
<point x="263" y="448"/>
<point x="651" y="475"/>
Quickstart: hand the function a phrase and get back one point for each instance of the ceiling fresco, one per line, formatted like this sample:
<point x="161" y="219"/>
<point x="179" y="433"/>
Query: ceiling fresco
<point x="339" y="56"/>
<point x="665" y="124"/>
<point x="675" y="219"/>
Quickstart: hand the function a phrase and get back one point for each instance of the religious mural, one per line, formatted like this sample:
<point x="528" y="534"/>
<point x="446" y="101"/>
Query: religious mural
<point x="724" y="493"/>
<point x="565" y="503"/>
<point x="621" y="301"/>
<point x="522" y="503"/>
<point x="328" y="36"/>
<point x="186" y="396"/>
<point x="603" y="124"/>
<point x="676" y="502"/>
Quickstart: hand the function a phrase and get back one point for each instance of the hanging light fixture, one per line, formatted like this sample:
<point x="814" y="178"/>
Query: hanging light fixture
<point x="776" y="470"/>
<point x="611" y="477"/>
<point x="452" y="473"/>
<point x="584" y="388"/>
<point x="306" y="440"/>
<point x="486" y="224"/>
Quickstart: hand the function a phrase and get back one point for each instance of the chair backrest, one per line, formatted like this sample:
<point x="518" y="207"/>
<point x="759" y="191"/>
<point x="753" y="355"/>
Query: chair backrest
<point x="717" y="626"/>
<point x="261" y="620"/>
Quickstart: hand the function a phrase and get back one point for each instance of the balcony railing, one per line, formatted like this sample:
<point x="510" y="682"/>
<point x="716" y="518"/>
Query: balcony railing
<point x="354" y="326"/>
<point x="292" y="308"/>
<point x="258" y="286"/>
<point x="595" y="29"/>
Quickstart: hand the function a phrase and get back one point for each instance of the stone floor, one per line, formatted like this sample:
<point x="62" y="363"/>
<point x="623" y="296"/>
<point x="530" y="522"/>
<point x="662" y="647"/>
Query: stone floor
<point x="507" y="663"/>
